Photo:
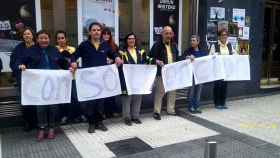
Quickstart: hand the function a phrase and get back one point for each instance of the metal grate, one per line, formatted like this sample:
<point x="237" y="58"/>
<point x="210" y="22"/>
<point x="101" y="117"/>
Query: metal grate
<point x="10" y="108"/>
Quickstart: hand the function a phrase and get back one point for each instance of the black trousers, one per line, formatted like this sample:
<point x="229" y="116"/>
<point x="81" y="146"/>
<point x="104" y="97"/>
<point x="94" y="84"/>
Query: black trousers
<point x="72" y="110"/>
<point x="29" y="112"/>
<point x="94" y="111"/>
<point x="220" y="93"/>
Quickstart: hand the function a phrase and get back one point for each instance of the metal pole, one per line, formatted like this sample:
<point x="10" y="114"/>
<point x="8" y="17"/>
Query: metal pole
<point x="210" y="149"/>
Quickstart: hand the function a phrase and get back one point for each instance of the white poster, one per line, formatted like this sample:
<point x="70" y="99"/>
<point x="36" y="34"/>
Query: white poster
<point x="207" y="69"/>
<point x="177" y="75"/>
<point x="238" y="15"/>
<point x="139" y="79"/>
<point x="46" y="87"/>
<point x="98" y="82"/>
<point x="217" y="13"/>
<point x="246" y="33"/>
<point x="100" y="11"/>
<point x="237" y="67"/>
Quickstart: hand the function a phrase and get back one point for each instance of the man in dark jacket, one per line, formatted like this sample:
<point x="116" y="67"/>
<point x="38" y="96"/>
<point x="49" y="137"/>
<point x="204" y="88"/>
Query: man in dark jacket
<point x="164" y="52"/>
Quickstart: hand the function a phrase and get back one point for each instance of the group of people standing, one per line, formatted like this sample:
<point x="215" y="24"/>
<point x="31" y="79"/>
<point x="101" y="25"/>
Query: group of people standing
<point x="36" y="52"/>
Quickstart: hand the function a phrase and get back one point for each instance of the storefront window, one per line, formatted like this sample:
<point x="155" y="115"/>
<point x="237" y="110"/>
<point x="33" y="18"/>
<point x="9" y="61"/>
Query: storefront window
<point x="60" y="15"/>
<point x="134" y="17"/>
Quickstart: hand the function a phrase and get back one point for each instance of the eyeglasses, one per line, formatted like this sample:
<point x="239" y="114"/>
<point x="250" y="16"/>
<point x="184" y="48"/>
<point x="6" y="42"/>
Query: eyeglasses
<point x="131" y="38"/>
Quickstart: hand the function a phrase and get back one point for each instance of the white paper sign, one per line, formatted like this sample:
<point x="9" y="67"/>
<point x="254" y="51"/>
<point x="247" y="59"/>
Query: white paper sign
<point x="98" y="82"/>
<point x="246" y="33"/>
<point x="237" y="67"/>
<point x="46" y="87"/>
<point x="207" y="69"/>
<point x="177" y="75"/>
<point x="238" y="15"/>
<point x="139" y="79"/>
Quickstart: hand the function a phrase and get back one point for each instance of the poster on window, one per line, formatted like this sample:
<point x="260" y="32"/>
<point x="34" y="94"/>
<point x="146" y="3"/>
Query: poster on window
<point x="166" y="12"/>
<point x="14" y="16"/>
<point x="101" y="11"/>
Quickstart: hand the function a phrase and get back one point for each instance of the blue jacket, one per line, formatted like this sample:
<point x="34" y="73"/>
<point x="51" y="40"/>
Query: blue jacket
<point x="196" y="54"/>
<point x="16" y="59"/>
<point x="92" y="57"/>
<point x="44" y="58"/>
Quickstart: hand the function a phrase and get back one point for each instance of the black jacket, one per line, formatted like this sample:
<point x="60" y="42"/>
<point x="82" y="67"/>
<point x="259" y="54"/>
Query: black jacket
<point x="217" y="48"/>
<point x="159" y="52"/>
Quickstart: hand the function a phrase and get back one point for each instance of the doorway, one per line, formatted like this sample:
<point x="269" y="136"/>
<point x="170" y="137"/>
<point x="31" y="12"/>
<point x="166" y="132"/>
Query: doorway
<point x="271" y="52"/>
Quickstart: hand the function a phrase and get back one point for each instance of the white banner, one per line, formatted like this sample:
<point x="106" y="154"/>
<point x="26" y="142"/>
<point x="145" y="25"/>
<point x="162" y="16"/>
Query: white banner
<point x="46" y="87"/>
<point x="177" y="75"/>
<point x="237" y="67"/>
<point x="98" y="82"/>
<point x="139" y="78"/>
<point x="207" y="69"/>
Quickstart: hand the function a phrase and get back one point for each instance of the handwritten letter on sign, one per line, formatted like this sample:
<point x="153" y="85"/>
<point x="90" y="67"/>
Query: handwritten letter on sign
<point x="208" y="69"/>
<point x="97" y="82"/>
<point x="139" y="79"/>
<point x="177" y="75"/>
<point x="46" y="87"/>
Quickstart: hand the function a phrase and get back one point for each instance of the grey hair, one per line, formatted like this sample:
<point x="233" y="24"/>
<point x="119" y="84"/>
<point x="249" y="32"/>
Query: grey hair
<point x="196" y="37"/>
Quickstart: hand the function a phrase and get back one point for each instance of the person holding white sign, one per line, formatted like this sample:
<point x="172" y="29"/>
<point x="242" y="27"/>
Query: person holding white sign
<point x="195" y="90"/>
<point x="44" y="56"/>
<point x="131" y="104"/>
<point x="223" y="47"/>
<point x="94" y="52"/>
<point x="164" y="52"/>
<point x="16" y="57"/>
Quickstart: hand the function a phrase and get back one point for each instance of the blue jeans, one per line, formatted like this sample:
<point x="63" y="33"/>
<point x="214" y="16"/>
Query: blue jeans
<point x="194" y="96"/>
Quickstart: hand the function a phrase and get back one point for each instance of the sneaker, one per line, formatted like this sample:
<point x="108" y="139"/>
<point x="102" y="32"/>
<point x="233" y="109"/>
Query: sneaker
<point x="157" y="116"/>
<point x="127" y="121"/>
<point x="197" y="111"/>
<point x="51" y="134"/>
<point x="40" y="135"/>
<point x="101" y="127"/>
<point x="64" y="121"/>
<point x="91" y="128"/>
<point x="137" y="121"/>
<point x="219" y="107"/>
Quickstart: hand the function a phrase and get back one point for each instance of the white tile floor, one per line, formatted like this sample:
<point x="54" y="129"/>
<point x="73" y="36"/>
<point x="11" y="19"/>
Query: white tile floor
<point x="170" y="130"/>
<point x="258" y="117"/>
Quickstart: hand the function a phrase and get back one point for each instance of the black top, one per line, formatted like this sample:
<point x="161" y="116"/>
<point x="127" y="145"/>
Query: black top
<point x="159" y="52"/>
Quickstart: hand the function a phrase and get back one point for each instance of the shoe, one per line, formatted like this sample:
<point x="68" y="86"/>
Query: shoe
<point x="224" y="107"/>
<point x="40" y="135"/>
<point x="197" y="111"/>
<point x="51" y="134"/>
<point x="171" y="113"/>
<point x="91" y="128"/>
<point x="127" y="121"/>
<point x="101" y="127"/>
<point x="64" y="121"/>
<point x="137" y="121"/>
<point x="192" y="111"/>
<point x="84" y="119"/>
<point x="157" y="116"/>
<point x="219" y="107"/>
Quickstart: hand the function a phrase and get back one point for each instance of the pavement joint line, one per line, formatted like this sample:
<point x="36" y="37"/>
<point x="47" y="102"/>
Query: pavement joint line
<point x="221" y="129"/>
